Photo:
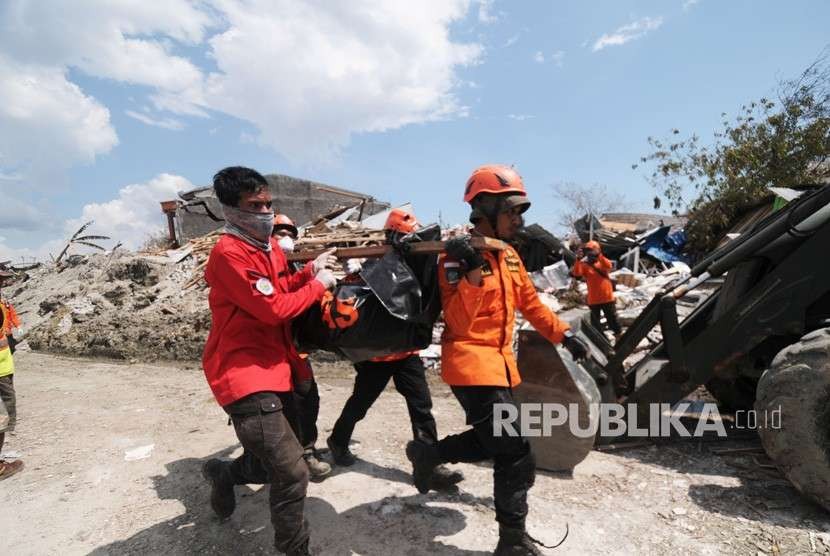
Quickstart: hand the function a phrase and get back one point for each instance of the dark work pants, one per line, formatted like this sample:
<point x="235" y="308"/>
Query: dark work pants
<point x="272" y="454"/>
<point x="610" y="310"/>
<point x="307" y="404"/>
<point x="514" y="467"/>
<point x="372" y="377"/>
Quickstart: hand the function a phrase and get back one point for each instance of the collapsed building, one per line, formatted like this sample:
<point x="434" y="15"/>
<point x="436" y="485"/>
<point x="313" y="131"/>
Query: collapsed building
<point x="198" y="212"/>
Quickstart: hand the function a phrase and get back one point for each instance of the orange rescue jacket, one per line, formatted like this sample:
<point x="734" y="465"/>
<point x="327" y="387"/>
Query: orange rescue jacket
<point x="600" y="289"/>
<point x="477" y="345"/>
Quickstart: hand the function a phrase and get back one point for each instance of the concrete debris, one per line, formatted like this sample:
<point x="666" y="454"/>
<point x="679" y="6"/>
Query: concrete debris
<point x="551" y="278"/>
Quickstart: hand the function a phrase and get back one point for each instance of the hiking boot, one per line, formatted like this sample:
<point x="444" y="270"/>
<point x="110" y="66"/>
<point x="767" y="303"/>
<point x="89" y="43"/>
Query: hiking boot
<point x="444" y="478"/>
<point x="341" y="454"/>
<point x="515" y="542"/>
<point x="425" y="459"/>
<point x="317" y="469"/>
<point x="300" y="551"/>
<point x="9" y="468"/>
<point x="222" y="497"/>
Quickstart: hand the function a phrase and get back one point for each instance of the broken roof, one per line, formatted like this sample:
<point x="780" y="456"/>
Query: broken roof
<point x="274" y="180"/>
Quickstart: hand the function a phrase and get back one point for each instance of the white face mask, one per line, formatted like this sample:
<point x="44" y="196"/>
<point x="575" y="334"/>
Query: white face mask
<point x="286" y="243"/>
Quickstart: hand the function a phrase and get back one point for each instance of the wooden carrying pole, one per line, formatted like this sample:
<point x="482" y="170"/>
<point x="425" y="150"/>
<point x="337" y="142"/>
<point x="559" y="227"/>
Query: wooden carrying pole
<point x="377" y="251"/>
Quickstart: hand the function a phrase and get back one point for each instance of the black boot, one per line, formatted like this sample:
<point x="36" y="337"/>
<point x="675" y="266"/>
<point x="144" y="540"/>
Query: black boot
<point x="222" y="497"/>
<point x="425" y="459"/>
<point x="317" y="469"/>
<point x="300" y="551"/>
<point x="444" y="478"/>
<point x="515" y="542"/>
<point x="341" y="454"/>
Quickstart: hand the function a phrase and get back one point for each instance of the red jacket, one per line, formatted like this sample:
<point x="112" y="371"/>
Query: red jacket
<point x="253" y="298"/>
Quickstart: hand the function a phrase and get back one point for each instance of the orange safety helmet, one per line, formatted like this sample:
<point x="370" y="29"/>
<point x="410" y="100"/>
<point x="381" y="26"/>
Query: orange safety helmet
<point x="593" y="246"/>
<point x="494" y="178"/>
<point x="282" y="222"/>
<point x="400" y="220"/>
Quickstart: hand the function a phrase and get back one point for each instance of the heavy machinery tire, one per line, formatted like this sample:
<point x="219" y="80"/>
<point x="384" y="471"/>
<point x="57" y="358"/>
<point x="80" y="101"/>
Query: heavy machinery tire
<point x="798" y="384"/>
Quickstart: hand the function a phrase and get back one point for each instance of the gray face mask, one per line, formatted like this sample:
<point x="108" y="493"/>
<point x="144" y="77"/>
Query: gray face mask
<point x="256" y="226"/>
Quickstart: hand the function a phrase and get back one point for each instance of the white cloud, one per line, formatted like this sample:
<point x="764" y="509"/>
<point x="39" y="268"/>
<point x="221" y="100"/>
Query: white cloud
<point x="131" y="218"/>
<point x="485" y="14"/>
<point x="538" y="57"/>
<point x="558" y="58"/>
<point x="47" y="122"/>
<point x="687" y="4"/>
<point x="135" y="214"/>
<point x="124" y="41"/>
<point x="627" y="33"/>
<point x="166" y="123"/>
<point x="321" y="75"/>
<point x="520" y="117"/>
<point x="307" y="74"/>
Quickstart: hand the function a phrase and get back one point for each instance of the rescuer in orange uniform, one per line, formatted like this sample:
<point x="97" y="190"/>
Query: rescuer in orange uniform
<point x="592" y="265"/>
<point x="479" y="294"/>
<point x="406" y="370"/>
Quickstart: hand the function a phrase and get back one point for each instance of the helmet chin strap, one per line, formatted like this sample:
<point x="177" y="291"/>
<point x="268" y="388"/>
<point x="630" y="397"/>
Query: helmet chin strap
<point x="493" y="217"/>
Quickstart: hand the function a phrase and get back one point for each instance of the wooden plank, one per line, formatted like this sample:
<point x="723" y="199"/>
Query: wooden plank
<point x="377" y="251"/>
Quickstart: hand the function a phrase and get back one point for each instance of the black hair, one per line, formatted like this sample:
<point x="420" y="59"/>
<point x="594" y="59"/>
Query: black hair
<point x="229" y="183"/>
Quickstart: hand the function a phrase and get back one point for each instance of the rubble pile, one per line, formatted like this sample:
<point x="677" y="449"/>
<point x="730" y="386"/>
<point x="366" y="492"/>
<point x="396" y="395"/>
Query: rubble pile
<point x="121" y="307"/>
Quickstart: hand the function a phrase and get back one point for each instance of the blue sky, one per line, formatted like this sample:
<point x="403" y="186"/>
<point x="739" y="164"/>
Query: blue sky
<point x="520" y="82"/>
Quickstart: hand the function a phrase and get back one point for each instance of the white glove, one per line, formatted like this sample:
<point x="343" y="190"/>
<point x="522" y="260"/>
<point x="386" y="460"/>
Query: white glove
<point x="324" y="260"/>
<point x="353" y="266"/>
<point x="326" y="277"/>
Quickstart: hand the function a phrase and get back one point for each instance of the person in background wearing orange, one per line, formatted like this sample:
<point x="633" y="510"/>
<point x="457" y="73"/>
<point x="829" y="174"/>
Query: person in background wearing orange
<point x="306" y="393"/>
<point x="480" y="292"/>
<point x="407" y="372"/>
<point x="594" y="267"/>
<point x="8" y="400"/>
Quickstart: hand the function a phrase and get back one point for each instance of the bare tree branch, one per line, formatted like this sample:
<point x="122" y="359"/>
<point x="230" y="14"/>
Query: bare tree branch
<point x="577" y="200"/>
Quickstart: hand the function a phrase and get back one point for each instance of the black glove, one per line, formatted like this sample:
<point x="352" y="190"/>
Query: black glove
<point x="460" y="249"/>
<point x="395" y="239"/>
<point x="578" y="348"/>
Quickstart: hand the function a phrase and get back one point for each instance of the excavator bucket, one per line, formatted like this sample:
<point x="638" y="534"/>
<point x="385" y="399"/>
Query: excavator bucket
<point x="550" y="376"/>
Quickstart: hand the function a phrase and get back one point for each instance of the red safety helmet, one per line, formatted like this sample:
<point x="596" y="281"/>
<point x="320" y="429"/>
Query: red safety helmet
<point x="593" y="246"/>
<point x="282" y="222"/>
<point x="494" y="178"/>
<point x="400" y="220"/>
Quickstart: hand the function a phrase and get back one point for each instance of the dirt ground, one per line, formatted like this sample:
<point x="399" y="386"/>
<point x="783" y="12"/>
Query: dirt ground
<point x="113" y="453"/>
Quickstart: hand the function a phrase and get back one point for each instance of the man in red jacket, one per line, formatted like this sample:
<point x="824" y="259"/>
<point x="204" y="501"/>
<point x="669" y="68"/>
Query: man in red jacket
<point x="249" y="354"/>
